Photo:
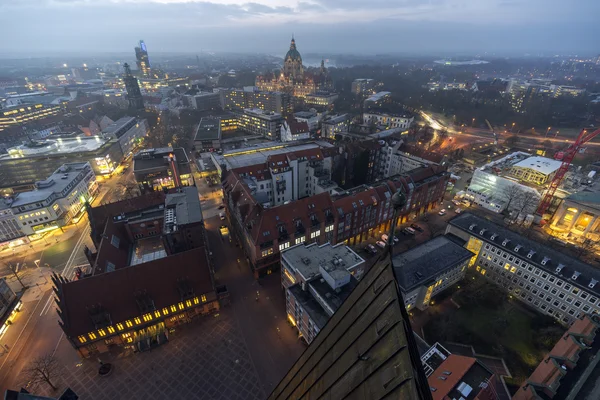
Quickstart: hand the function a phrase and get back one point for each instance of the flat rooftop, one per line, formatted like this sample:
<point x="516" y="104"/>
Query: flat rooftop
<point x="55" y="147"/>
<point x="307" y="259"/>
<point x="118" y="124"/>
<point x="186" y="205"/>
<point x="258" y="154"/>
<point x="423" y="263"/>
<point x="55" y="183"/>
<point x="208" y="129"/>
<point x="156" y="158"/>
<point x="378" y="96"/>
<point x="540" y="164"/>
<point x="149" y="249"/>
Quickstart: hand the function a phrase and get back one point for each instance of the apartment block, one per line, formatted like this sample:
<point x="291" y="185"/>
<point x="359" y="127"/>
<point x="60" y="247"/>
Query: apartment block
<point x="258" y="122"/>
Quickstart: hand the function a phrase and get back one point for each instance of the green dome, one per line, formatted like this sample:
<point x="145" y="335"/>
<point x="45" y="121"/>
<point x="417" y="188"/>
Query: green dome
<point x="293" y="53"/>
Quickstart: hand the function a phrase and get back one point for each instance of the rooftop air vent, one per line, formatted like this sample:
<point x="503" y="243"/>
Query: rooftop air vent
<point x="472" y="226"/>
<point x="592" y="283"/>
<point x="481" y="232"/>
<point x="494" y="236"/>
<point x="560" y="267"/>
<point x="505" y="242"/>
<point x="575" y="275"/>
<point x="531" y="253"/>
<point x="518" y="247"/>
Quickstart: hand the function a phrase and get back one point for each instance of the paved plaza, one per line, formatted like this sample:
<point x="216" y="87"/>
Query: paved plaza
<point x="206" y="359"/>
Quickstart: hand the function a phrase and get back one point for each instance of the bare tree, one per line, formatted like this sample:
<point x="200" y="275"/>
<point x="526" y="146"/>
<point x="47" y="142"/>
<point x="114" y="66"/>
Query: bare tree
<point x="527" y="201"/>
<point x="43" y="369"/>
<point x="585" y="249"/>
<point x="434" y="227"/>
<point x="13" y="269"/>
<point x="511" y="193"/>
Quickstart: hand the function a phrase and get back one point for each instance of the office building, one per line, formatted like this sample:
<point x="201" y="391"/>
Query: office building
<point x="460" y="377"/>
<point x="546" y="279"/>
<point x="311" y="118"/>
<point x="205" y="101"/>
<point x="258" y="122"/>
<point x="322" y="99"/>
<point x="134" y="95"/>
<point x="369" y="344"/>
<point x="128" y="131"/>
<point x="567" y="372"/>
<point x="11" y="234"/>
<point x="26" y="164"/>
<point x="151" y="273"/>
<point x="293" y="130"/>
<point x="142" y="61"/>
<point x="326" y="215"/>
<point x="56" y="201"/>
<point x="378" y="99"/>
<point x="428" y="269"/>
<point x="363" y="87"/>
<point x="21" y="114"/>
<point x="388" y="120"/>
<point x="162" y="168"/>
<point x="317" y="279"/>
<point x="240" y="99"/>
<point x="335" y="124"/>
<point x="400" y="157"/>
<point x="208" y="134"/>
<point x="578" y="216"/>
<point x="294" y="79"/>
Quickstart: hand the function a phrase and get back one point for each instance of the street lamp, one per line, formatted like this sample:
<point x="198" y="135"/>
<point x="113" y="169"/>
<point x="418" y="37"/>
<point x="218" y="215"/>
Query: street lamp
<point x="548" y="130"/>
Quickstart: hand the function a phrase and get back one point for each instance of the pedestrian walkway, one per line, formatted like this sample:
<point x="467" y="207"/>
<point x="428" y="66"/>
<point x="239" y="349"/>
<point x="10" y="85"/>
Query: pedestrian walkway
<point x="206" y="359"/>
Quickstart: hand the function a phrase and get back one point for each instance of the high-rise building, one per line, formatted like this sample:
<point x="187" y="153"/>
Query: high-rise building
<point x="134" y="95"/>
<point x="141" y="56"/>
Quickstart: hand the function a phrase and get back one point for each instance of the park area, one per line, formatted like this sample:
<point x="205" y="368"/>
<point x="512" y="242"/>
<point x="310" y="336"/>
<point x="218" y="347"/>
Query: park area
<point x="496" y="325"/>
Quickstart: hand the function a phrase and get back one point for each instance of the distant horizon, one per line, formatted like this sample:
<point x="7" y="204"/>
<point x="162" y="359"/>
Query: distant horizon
<point x="334" y="27"/>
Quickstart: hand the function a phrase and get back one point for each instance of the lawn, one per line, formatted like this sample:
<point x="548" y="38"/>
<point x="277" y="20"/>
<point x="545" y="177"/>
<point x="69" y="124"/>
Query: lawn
<point x="496" y="325"/>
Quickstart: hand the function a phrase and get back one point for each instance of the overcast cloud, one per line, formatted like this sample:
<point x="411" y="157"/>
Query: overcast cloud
<point x="327" y="26"/>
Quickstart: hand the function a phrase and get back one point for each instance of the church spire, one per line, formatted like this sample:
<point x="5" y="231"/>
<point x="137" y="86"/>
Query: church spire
<point x="322" y="66"/>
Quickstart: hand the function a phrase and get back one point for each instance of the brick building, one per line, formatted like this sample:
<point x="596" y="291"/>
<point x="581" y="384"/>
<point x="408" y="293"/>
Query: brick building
<point x="350" y="217"/>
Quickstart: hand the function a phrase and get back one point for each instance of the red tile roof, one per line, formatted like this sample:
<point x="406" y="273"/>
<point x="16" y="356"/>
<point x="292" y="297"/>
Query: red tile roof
<point x="115" y="291"/>
<point x="458" y="366"/>
<point x="297" y="127"/>
<point x="108" y="252"/>
<point x="421" y="153"/>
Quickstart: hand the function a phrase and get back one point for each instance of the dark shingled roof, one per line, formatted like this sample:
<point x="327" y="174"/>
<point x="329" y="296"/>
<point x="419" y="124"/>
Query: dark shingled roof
<point x="423" y="263"/>
<point x="484" y="229"/>
<point x="115" y="291"/>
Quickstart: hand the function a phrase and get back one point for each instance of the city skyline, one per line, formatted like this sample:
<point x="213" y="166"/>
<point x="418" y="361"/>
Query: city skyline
<point x="440" y="26"/>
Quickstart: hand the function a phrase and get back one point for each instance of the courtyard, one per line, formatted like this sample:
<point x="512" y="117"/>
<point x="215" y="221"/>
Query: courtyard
<point x="484" y="316"/>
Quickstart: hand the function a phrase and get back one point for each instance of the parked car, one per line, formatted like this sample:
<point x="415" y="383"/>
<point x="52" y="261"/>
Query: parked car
<point x="416" y="227"/>
<point x="456" y="202"/>
<point x="410" y="231"/>
<point x="371" y="249"/>
<point x="442" y="212"/>
<point x="381" y="244"/>
<point x="222" y="216"/>
<point x="458" y="210"/>
<point x="385" y="237"/>
<point x="221" y="207"/>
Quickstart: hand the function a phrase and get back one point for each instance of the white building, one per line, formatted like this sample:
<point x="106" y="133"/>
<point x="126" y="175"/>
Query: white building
<point x="378" y="99"/>
<point x="428" y="269"/>
<point x="388" y="120"/>
<point x="400" y="157"/>
<point x="56" y="201"/>
<point x="335" y="124"/>
<point x="11" y="233"/>
<point x="129" y="131"/>
<point x="258" y="122"/>
<point x="316" y="279"/>
<point x="545" y="279"/>
<point x="311" y="118"/>
<point x="292" y="130"/>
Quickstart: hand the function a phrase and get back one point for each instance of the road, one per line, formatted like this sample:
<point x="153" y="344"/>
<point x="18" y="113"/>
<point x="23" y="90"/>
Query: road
<point x="35" y="330"/>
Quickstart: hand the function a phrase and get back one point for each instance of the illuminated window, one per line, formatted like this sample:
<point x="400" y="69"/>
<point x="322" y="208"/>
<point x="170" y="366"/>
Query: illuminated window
<point x="173" y="309"/>
<point x="315" y="234"/>
<point x="513" y="269"/>
<point x="120" y="326"/>
<point x="82" y="339"/>
<point x="101" y="332"/>
<point x="157" y="314"/>
<point x="147" y="317"/>
<point x="165" y="311"/>
<point x="92" y="335"/>
<point x="196" y="300"/>
<point x="482" y="271"/>
<point x="110" y="329"/>
<point x="128" y="323"/>
<point x="301" y="239"/>
<point x="137" y="320"/>
<point x="180" y="306"/>
<point x="188" y="303"/>
<point x="203" y="297"/>
<point x="507" y="266"/>
<point x="329" y="228"/>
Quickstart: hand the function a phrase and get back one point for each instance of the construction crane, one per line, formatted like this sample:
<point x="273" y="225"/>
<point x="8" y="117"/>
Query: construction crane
<point x="493" y="131"/>
<point x="566" y="156"/>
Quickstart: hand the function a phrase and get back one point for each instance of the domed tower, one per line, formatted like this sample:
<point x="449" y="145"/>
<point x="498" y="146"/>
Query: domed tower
<point x="292" y="64"/>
